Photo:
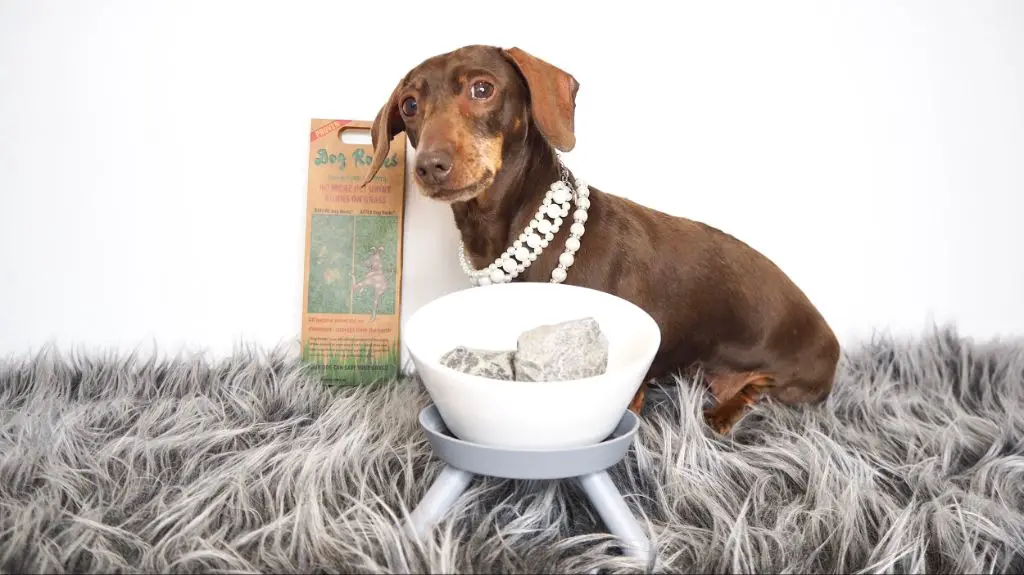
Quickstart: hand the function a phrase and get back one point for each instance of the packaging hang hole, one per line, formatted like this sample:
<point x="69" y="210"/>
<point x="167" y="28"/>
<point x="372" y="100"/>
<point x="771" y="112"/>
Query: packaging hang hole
<point x="355" y="136"/>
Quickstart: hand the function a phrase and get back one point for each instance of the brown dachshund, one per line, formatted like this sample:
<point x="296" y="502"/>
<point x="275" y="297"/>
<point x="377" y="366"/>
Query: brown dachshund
<point x="487" y="124"/>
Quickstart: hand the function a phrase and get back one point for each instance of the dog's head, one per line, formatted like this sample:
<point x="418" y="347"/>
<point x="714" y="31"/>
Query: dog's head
<point x="462" y="110"/>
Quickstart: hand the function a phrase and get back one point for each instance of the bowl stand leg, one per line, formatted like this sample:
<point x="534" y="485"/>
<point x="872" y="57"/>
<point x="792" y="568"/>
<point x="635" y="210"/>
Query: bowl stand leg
<point x="608" y="502"/>
<point x="448" y="486"/>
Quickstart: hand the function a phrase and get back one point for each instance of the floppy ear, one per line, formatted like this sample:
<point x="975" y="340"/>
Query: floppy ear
<point x="552" y="98"/>
<point x="386" y="126"/>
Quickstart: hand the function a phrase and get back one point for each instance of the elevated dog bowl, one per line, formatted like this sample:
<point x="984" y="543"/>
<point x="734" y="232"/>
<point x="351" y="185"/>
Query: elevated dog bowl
<point x="529" y="415"/>
<point x="587" y="465"/>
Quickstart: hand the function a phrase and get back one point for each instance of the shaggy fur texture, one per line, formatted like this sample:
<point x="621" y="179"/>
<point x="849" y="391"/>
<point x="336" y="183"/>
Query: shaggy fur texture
<point x="915" y="464"/>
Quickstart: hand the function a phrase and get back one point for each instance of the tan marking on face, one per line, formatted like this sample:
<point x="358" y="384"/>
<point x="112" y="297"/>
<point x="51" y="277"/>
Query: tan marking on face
<point x="467" y="161"/>
<point x="489" y="151"/>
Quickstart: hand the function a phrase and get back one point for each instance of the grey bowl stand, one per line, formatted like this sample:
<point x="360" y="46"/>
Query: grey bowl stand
<point x="587" y="465"/>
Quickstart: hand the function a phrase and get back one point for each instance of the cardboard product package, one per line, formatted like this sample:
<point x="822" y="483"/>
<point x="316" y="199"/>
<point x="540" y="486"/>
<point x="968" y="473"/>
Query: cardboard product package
<point x="352" y="286"/>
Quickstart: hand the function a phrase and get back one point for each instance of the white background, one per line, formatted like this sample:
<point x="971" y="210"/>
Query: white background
<point x="153" y="154"/>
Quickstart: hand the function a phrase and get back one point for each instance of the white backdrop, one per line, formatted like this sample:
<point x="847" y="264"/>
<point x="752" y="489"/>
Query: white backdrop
<point x="153" y="154"/>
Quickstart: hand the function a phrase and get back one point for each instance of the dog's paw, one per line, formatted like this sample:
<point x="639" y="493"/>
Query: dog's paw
<point x="720" y="421"/>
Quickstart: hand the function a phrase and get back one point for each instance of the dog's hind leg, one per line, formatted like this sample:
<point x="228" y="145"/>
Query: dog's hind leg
<point x="734" y="394"/>
<point x="725" y="385"/>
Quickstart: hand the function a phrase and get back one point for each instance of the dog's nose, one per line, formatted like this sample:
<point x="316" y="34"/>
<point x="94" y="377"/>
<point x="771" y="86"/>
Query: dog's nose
<point x="434" y="166"/>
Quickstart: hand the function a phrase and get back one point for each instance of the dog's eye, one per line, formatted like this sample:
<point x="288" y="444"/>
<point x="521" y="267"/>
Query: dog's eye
<point x="481" y="90"/>
<point x="409" y="106"/>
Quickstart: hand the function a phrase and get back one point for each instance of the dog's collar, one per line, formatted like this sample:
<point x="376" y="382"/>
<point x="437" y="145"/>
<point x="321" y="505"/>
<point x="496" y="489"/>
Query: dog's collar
<point x="537" y="235"/>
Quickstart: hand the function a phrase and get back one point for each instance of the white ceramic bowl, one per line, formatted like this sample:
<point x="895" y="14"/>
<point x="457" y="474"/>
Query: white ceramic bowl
<point x="529" y="415"/>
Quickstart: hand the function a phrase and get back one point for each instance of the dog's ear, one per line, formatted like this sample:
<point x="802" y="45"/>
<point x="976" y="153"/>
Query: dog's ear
<point x="552" y="98"/>
<point x="386" y="126"/>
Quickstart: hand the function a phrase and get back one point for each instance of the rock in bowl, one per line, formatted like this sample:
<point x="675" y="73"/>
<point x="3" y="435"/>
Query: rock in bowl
<point x="529" y="414"/>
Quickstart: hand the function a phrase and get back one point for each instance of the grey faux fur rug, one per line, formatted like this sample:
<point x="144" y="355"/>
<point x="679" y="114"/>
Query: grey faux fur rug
<point x="916" y="464"/>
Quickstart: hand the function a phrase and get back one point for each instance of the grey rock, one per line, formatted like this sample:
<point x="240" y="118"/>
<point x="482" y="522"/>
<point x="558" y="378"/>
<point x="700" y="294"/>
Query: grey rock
<point x="481" y="362"/>
<point x="558" y="352"/>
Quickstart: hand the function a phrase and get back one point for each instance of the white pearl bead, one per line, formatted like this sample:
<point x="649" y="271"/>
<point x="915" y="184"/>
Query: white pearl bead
<point x="550" y="217"/>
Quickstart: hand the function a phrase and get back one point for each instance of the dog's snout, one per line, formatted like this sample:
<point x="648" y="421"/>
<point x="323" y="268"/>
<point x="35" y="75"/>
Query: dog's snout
<point x="434" y="166"/>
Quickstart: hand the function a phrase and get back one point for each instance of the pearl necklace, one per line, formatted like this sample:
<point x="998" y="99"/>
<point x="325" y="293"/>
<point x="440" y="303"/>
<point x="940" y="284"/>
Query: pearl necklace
<point x="537" y="235"/>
